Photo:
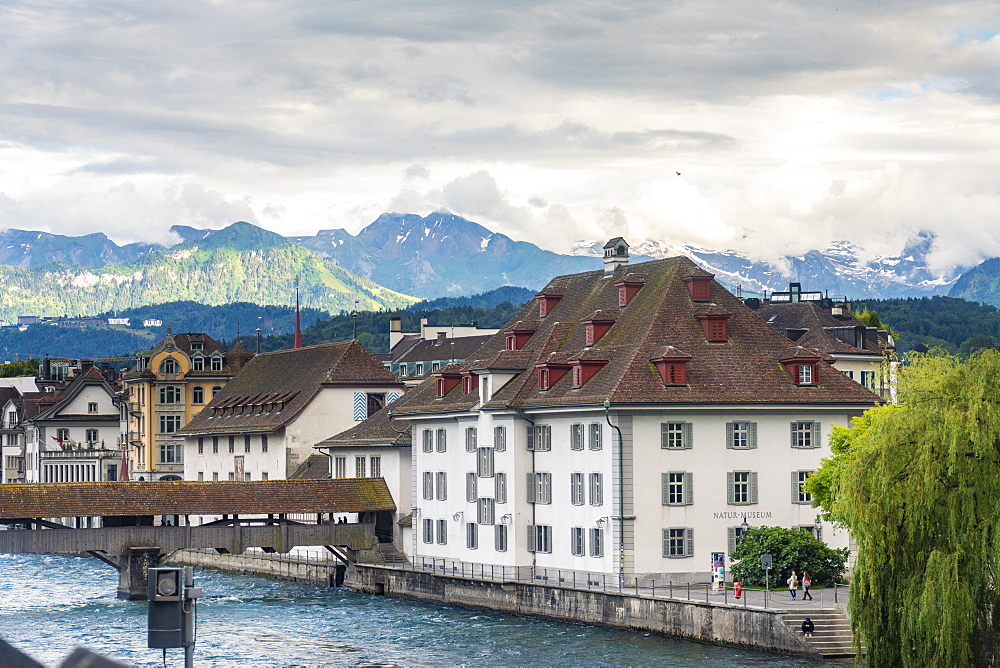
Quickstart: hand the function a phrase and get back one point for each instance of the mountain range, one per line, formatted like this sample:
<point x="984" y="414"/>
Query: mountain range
<point x="401" y="257"/>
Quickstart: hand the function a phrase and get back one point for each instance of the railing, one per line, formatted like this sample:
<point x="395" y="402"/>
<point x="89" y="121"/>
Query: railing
<point x="703" y="592"/>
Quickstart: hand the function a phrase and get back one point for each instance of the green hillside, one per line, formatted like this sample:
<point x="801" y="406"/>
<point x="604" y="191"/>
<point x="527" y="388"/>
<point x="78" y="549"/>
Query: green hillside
<point x="241" y="263"/>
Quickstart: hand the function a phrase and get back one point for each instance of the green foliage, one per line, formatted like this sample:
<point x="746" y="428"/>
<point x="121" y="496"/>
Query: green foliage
<point x="790" y="549"/>
<point x="916" y="484"/>
<point x="933" y="321"/>
<point x="870" y="318"/>
<point x="19" y="368"/>
<point x="978" y="342"/>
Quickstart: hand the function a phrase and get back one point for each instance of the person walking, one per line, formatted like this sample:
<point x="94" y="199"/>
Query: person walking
<point x="793" y="583"/>
<point x="806" y="583"/>
<point x="808" y="627"/>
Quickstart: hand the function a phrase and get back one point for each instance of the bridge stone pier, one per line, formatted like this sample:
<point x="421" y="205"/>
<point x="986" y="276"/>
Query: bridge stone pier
<point x="254" y="515"/>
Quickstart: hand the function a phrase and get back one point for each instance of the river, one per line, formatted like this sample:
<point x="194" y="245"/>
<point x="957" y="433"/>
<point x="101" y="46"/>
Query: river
<point x="51" y="603"/>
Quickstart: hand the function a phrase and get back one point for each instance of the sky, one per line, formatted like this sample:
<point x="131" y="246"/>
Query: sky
<point x="769" y="127"/>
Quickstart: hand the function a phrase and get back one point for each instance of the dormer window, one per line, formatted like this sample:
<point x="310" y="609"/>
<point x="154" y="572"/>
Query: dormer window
<point x="470" y="382"/>
<point x="197" y="345"/>
<point x="446" y="382"/>
<point x="546" y="303"/>
<point x="584" y="370"/>
<point x="672" y="369"/>
<point x="700" y="287"/>
<point x="216" y="363"/>
<point x="198" y="363"/>
<point x="626" y="290"/>
<point x="715" y="327"/>
<point x="517" y="338"/>
<point x="804" y="371"/>
<point x="549" y="374"/>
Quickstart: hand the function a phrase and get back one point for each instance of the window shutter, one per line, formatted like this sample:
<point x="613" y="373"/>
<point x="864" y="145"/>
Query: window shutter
<point x="819" y="533"/>
<point x="688" y="436"/>
<point x="729" y="435"/>
<point x="816" y="434"/>
<point x="730" y="487"/>
<point x="795" y="486"/>
<point x="531" y="538"/>
<point x="794" y="441"/>
<point x="529" y="435"/>
<point x="731" y="534"/>
<point x="360" y="406"/>
<point x="688" y="489"/>
<point x="689" y="542"/>
<point x="752" y="434"/>
<point x="391" y="397"/>
<point x="753" y="487"/>
<point x="530" y="496"/>
<point x="665" y="487"/>
<point x="666" y="542"/>
<point x="663" y="434"/>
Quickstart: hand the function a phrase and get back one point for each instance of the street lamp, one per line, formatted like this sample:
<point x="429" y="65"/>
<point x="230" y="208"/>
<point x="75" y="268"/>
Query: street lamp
<point x="355" y="316"/>
<point x="601" y="522"/>
<point x="506" y="519"/>
<point x="458" y="516"/>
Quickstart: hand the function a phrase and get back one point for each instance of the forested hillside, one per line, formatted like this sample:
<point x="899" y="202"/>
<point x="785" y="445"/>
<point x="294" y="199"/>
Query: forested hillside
<point x="948" y="322"/>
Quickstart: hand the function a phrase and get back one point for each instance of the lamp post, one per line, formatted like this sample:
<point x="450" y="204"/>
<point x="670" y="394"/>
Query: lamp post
<point x="355" y="316"/>
<point x="621" y="496"/>
<point x="258" y="340"/>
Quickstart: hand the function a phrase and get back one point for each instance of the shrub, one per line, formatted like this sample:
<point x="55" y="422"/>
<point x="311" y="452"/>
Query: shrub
<point x="790" y="549"/>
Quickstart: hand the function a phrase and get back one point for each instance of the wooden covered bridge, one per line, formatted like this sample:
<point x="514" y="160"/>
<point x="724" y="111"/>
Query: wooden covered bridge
<point x="143" y="523"/>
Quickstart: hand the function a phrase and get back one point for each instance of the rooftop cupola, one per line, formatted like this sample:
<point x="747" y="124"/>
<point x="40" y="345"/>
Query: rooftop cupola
<point x="615" y="255"/>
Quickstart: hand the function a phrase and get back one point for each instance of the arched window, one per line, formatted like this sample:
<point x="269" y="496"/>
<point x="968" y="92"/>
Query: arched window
<point x="198" y="395"/>
<point x="198" y="363"/>
<point x="216" y="390"/>
<point x="169" y="365"/>
<point x="216" y="362"/>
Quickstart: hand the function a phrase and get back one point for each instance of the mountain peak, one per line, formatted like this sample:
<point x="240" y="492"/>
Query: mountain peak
<point x="241" y="236"/>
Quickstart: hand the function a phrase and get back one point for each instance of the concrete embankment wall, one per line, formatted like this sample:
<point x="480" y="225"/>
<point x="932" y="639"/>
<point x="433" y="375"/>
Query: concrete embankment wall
<point x="706" y="622"/>
<point x="715" y="623"/>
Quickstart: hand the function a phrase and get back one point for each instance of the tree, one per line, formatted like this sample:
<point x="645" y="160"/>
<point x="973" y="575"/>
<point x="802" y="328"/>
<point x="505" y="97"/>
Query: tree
<point x="978" y="342"/>
<point x="916" y="483"/>
<point x="20" y="368"/>
<point x="790" y="549"/>
<point x="870" y="318"/>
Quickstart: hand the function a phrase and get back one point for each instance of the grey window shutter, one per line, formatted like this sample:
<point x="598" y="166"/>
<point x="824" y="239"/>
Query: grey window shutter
<point x="531" y="488"/>
<point x="819" y="533"/>
<point x="794" y="441"/>
<point x="531" y="538"/>
<point x="729" y="435"/>
<point x="731" y="534"/>
<point x="795" y="486"/>
<point x="730" y="487"/>
<point x="752" y="434"/>
<point x="666" y="542"/>
<point x="530" y="437"/>
<point x="665" y="487"/>
<point x="688" y="489"/>
<point x="816" y="434"/>
<point x="689" y="542"/>
<point x="663" y="434"/>
<point x="688" y="436"/>
<point x="753" y="487"/>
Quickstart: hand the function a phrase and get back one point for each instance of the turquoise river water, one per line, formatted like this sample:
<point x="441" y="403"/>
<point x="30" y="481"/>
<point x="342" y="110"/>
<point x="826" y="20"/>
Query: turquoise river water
<point x="49" y="604"/>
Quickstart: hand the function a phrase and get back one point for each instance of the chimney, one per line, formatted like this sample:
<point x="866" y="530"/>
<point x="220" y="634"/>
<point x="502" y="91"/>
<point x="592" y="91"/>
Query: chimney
<point x="423" y="326"/>
<point x="615" y="255"/>
<point x="395" y="330"/>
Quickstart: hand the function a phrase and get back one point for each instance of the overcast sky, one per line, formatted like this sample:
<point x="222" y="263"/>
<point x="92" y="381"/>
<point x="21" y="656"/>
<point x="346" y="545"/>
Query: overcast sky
<point x="770" y="127"/>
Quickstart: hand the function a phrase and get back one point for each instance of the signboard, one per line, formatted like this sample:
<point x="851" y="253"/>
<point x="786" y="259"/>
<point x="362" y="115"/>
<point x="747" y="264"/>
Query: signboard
<point x="765" y="561"/>
<point x="718" y="571"/>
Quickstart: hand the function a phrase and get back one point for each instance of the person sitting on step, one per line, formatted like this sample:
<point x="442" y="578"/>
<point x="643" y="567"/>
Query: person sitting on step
<point x="808" y="627"/>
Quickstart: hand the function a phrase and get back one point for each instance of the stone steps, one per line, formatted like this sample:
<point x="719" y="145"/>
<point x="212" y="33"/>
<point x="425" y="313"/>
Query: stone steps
<point x="391" y="555"/>
<point x="832" y="637"/>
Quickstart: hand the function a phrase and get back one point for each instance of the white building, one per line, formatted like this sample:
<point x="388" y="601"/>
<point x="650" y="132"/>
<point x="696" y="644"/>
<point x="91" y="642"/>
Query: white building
<point x="264" y="423"/>
<point x="713" y="417"/>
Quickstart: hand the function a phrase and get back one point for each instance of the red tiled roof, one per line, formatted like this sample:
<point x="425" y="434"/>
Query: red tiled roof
<point x="744" y="369"/>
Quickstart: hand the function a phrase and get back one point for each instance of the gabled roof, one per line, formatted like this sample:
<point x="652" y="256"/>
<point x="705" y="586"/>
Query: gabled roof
<point x="274" y="388"/>
<point x="234" y="359"/>
<point x="820" y="327"/>
<point x="444" y="349"/>
<point x="746" y="369"/>
<point x="91" y="377"/>
<point x="376" y="430"/>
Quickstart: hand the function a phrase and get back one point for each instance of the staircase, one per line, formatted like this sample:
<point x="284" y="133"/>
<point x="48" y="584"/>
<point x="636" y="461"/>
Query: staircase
<point x="832" y="637"/>
<point x="390" y="555"/>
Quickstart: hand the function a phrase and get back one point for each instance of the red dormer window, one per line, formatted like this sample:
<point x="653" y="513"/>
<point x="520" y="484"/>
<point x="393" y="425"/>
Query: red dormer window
<point x="803" y="371"/>
<point x="672" y="370"/>
<point x="470" y="382"/>
<point x="446" y="382"/>
<point x="595" y="329"/>
<point x="549" y="374"/>
<point x="700" y="287"/>
<point x="517" y="338"/>
<point x="546" y="303"/>
<point x="627" y="290"/>
<point x="715" y="327"/>
<point x="584" y="370"/>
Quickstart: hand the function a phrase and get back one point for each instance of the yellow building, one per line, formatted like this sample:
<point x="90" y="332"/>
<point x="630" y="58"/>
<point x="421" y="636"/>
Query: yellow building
<point x="169" y="385"/>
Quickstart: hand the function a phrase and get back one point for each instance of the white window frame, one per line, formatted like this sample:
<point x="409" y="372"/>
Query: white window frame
<point x="577" y="542"/>
<point x="741" y="488"/>
<point x="540" y="488"/>
<point x="576" y="491"/>
<point x="500" y="487"/>
<point x="471" y="487"/>
<point x="595" y="436"/>
<point x="500" y="438"/>
<point x="428" y="440"/>
<point x="799" y="495"/>
<point x="678" y="542"/>
<point x="441" y="485"/>
<point x="741" y="435"/>
<point x="597" y="542"/>
<point x="596" y="489"/>
<point x="428" y="486"/>
<point x="677" y="488"/>
<point x="676" y="435"/>
<point x="428" y="531"/>
<point x="500" y="538"/>
<point x="472" y="536"/>
<point x="442" y="532"/>
<point x="540" y="538"/>
<point x="486" y="511"/>
<point x="576" y="437"/>
<point x="805" y="434"/>
<point x="485" y="463"/>
<point x="441" y="440"/>
<point x="471" y="437"/>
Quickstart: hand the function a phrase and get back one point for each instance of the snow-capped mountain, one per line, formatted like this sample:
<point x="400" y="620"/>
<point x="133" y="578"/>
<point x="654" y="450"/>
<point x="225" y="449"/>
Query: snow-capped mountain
<point x="838" y="270"/>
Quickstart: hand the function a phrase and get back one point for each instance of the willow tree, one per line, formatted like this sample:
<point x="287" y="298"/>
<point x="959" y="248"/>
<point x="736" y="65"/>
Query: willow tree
<point x="918" y="485"/>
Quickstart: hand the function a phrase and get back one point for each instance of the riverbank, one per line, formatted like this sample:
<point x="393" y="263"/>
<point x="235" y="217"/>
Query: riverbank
<point x="747" y="627"/>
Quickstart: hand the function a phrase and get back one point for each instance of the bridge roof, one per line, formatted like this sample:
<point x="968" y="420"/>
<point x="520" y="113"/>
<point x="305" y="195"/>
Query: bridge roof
<point x="93" y="499"/>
